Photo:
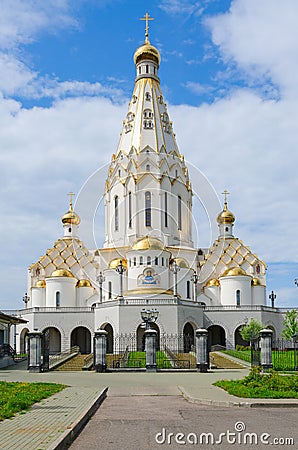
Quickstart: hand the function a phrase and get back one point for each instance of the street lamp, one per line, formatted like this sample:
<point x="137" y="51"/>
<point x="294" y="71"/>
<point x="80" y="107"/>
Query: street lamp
<point x="149" y="316"/>
<point x="120" y="269"/>
<point x="195" y="279"/>
<point x="175" y="269"/>
<point x="100" y="280"/>
<point x="26" y="299"/>
<point x="272" y="297"/>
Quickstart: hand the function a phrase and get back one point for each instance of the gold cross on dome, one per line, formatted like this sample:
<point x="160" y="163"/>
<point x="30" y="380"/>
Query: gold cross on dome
<point x="147" y="18"/>
<point x="225" y="193"/>
<point x="71" y="195"/>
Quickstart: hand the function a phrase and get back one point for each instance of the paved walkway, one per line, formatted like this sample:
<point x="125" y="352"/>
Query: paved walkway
<point x="47" y="422"/>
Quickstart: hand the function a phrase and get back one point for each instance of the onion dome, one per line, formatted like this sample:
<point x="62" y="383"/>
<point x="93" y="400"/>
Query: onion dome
<point x="235" y="272"/>
<point x="226" y="216"/>
<point x="62" y="273"/>
<point x="84" y="283"/>
<point x="40" y="284"/>
<point x="147" y="52"/>
<point x="148" y="243"/>
<point x="181" y="262"/>
<point x="115" y="262"/>
<point x="256" y="282"/>
<point x="70" y="218"/>
<point x="213" y="282"/>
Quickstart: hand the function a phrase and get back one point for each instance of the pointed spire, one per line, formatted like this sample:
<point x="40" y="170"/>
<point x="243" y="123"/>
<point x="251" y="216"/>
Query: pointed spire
<point x="147" y="18"/>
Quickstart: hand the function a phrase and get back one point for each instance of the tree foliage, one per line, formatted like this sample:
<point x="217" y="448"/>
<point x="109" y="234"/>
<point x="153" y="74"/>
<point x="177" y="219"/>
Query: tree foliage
<point x="251" y="331"/>
<point x="290" y="324"/>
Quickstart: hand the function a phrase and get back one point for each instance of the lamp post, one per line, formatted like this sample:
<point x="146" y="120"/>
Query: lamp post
<point x="272" y="297"/>
<point x="120" y="269"/>
<point x="26" y="299"/>
<point x="149" y="316"/>
<point x="100" y="280"/>
<point x="195" y="279"/>
<point x="175" y="269"/>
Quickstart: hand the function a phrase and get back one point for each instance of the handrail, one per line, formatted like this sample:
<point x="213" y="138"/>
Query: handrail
<point x="66" y="354"/>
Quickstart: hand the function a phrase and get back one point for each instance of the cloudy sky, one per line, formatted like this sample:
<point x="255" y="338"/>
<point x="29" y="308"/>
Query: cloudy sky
<point x="228" y="74"/>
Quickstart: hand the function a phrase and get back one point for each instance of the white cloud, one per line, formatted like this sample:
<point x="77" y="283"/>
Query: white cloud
<point x="181" y="7"/>
<point x="261" y="37"/>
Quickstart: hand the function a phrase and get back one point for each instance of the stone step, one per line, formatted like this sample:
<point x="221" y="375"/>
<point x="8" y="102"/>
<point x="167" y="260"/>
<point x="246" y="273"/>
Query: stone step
<point x="74" y="364"/>
<point x="222" y="362"/>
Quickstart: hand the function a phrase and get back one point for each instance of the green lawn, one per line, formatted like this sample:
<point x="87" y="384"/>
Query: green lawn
<point x="138" y="359"/>
<point x="282" y="360"/>
<point x="16" y="397"/>
<point x="257" y="385"/>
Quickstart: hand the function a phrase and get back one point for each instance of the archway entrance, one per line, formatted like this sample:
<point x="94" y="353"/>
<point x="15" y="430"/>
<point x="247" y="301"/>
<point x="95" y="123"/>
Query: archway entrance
<point x="188" y="337"/>
<point x="24" y="341"/>
<point x="239" y="339"/>
<point x="141" y="337"/>
<point x="216" y="336"/>
<point x="81" y="337"/>
<point x="54" y="340"/>
<point x="110" y="337"/>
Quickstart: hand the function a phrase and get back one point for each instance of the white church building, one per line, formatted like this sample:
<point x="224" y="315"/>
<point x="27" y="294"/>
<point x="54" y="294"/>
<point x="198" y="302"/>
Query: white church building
<point x="148" y="259"/>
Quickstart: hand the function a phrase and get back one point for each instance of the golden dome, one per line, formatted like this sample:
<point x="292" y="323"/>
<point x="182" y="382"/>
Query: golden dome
<point x="148" y="243"/>
<point x="213" y="282"/>
<point x="226" y="216"/>
<point x="146" y="51"/>
<point x="235" y="272"/>
<point x="115" y="262"/>
<point x="40" y="284"/>
<point x="62" y="273"/>
<point x="181" y="262"/>
<point x="71" y="218"/>
<point x="84" y="283"/>
<point x="256" y="282"/>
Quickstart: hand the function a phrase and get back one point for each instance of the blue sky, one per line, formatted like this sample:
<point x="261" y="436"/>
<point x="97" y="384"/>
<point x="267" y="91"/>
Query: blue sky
<point x="228" y="74"/>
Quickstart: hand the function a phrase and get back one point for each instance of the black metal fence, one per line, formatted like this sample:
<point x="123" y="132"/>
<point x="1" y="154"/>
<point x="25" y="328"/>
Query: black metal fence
<point x="255" y="353"/>
<point x="284" y="355"/>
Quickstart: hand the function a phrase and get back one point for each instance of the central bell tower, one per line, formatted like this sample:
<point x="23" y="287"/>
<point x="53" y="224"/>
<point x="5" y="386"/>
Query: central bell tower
<point x="148" y="191"/>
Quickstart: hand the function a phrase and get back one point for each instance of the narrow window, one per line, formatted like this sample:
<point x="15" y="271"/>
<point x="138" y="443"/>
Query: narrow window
<point x="119" y="173"/>
<point x="176" y="173"/>
<point x="129" y="210"/>
<point x="154" y="69"/>
<point x="116" y="212"/>
<point x="69" y="230"/>
<point x="57" y="299"/>
<point x="188" y="289"/>
<point x="179" y="213"/>
<point x="162" y="261"/>
<point x="110" y="290"/>
<point x="129" y="262"/>
<point x="147" y="209"/>
<point x="238" y="297"/>
<point x="227" y="229"/>
<point x="135" y="261"/>
<point x="141" y="260"/>
<point x="166" y="209"/>
<point x="147" y="168"/>
<point x="139" y="70"/>
<point x="148" y="260"/>
<point x="156" y="260"/>
<point x="147" y="68"/>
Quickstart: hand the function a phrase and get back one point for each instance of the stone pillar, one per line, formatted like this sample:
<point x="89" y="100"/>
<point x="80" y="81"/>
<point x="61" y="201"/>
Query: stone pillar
<point x="150" y="348"/>
<point x="266" y="349"/>
<point x="34" y="351"/>
<point x="201" y="349"/>
<point x="100" y="350"/>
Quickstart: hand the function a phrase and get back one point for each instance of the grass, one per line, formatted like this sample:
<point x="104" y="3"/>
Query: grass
<point x="16" y="397"/>
<point x="138" y="359"/>
<point x="283" y="360"/>
<point x="258" y="385"/>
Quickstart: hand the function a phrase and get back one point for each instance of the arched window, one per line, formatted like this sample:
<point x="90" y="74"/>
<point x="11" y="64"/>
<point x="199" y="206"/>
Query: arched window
<point x="141" y="260"/>
<point x="148" y="260"/>
<point x="188" y="289"/>
<point x="162" y="261"/>
<point x="147" y="209"/>
<point x="58" y="295"/>
<point x="179" y="213"/>
<point x="238" y="297"/>
<point x="135" y="261"/>
<point x="109" y="290"/>
<point x="116" y="212"/>
<point x="156" y="260"/>
<point x="129" y="210"/>
<point x="147" y="168"/>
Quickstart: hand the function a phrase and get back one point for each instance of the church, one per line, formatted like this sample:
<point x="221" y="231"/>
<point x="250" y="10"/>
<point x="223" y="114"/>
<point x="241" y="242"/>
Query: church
<point x="148" y="259"/>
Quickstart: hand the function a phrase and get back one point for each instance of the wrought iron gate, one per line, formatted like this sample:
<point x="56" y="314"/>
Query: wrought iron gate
<point x="45" y="350"/>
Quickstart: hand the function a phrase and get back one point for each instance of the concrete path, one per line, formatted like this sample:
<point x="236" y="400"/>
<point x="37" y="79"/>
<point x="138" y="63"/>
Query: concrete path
<point x="47" y="423"/>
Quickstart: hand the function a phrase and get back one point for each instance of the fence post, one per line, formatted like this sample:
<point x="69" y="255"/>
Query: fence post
<point x="201" y="349"/>
<point x="34" y="351"/>
<point x="100" y="350"/>
<point x="266" y="348"/>
<point x="150" y="348"/>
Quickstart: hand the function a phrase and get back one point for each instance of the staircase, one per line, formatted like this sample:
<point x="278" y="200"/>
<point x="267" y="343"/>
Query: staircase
<point x="74" y="364"/>
<point x="220" y="361"/>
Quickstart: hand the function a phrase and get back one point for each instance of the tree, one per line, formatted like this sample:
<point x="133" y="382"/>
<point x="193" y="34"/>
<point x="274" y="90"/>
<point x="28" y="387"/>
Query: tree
<point x="290" y="324"/>
<point x="251" y="331"/>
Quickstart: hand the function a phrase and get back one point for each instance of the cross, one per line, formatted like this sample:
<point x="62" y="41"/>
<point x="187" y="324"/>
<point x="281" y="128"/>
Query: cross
<point x="147" y="18"/>
<point x="225" y="193"/>
<point x="71" y="194"/>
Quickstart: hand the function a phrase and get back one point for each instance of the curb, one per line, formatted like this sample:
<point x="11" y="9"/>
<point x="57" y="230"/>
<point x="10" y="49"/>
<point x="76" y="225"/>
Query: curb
<point x="69" y="435"/>
<point x="231" y="404"/>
